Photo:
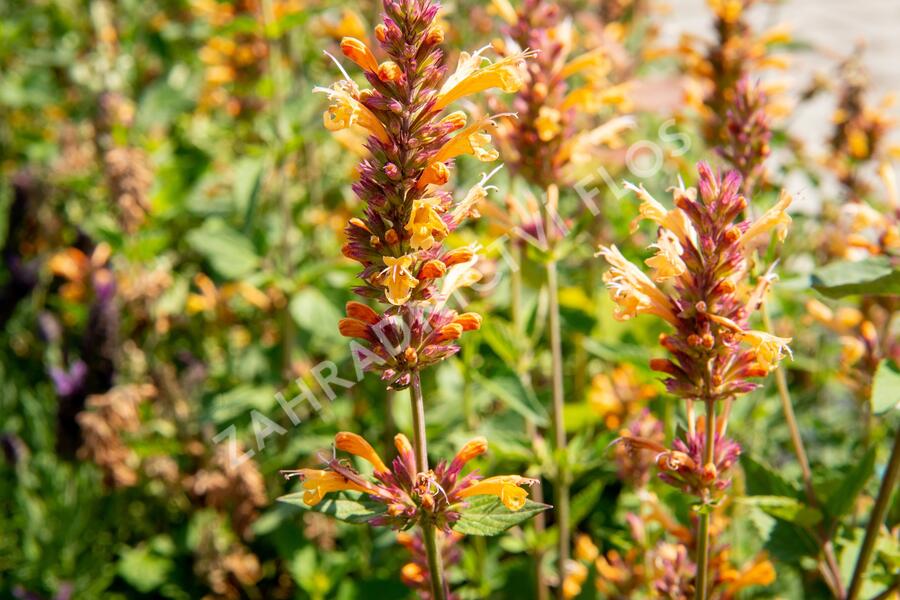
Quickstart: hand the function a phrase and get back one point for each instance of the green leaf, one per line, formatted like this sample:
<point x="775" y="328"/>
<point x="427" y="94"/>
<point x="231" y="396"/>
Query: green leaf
<point x="486" y="515"/>
<point x="762" y="480"/>
<point x="786" y="509"/>
<point x="314" y="312"/>
<point x="886" y="387"/>
<point x="521" y="399"/>
<point x="143" y="569"/>
<point x="499" y="336"/>
<point x="841" y="500"/>
<point x="342" y="509"/>
<point x="229" y="253"/>
<point x="875" y="276"/>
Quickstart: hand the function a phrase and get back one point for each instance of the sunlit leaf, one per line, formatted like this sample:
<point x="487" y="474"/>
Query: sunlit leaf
<point x="486" y="515"/>
<point x="886" y="387"/>
<point x="342" y="509"/>
<point x="874" y="276"/>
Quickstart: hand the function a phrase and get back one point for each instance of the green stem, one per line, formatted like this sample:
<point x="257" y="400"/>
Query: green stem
<point x="559" y="426"/>
<point x="876" y="520"/>
<point x="435" y="561"/>
<point x="518" y="321"/>
<point x="702" y="584"/>
<point x="829" y="570"/>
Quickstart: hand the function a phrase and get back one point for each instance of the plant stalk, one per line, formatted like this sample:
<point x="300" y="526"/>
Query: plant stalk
<point x="876" y="520"/>
<point x="830" y="570"/>
<point x="559" y="426"/>
<point x="702" y="583"/>
<point x="435" y="561"/>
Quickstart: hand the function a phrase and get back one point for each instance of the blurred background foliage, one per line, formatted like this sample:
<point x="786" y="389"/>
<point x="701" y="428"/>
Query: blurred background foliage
<point x="172" y="216"/>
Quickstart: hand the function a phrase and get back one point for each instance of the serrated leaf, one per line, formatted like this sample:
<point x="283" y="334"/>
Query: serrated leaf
<point x="486" y="515"/>
<point x="789" y="543"/>
<point x="886" y="387"/>
<point x="786" y="509"/>
<point x="342" y="509"/>
<point x="762" y="480"/>
<point x="874" y="276"/>
<point x="841" y="500"/>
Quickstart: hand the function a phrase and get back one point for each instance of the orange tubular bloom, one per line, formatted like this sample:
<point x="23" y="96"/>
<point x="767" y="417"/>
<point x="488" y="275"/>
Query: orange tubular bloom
<point x="506" y="487"/>
<point x="361" y="312"/>
<point x="355" y="444"/>
<point x="358" y="52"/>
<point x="473" y="448"/>
<point x="317" y="483"/>
<point x="435" y="173"/>
<point x="355" y="329"/>
<point x="470" y="77"/>
<point x="470" y="321"/>
<point x="471" y="140"/>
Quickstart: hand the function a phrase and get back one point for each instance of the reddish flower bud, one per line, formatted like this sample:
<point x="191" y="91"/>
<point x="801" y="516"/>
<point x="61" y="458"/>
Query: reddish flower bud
<point x="361" y="312"/>
<point x="355" y="329"/>
<point x="432" y="269"/>
<point x="469" y="321"/>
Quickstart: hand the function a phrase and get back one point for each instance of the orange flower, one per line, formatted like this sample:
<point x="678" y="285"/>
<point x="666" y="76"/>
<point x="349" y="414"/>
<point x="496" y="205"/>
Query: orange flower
<point x="355" y="444"/>
<point x="506" y="487"/>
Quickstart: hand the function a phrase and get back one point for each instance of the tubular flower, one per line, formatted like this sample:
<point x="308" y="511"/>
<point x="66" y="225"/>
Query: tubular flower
<point x="474" y="73"/>
<point x="410" y="150"/>
<point x="410" y="497"/>
<point x="560" y="87"/>
<point x="317" y="483"/>
<point x="632" y="291"/>
<point x="703" y="252"/>
<point x="397" y="279"/>
<point x="425" y="224"/>
<point x="770" y="349"/>
<point x="505" y="487"/>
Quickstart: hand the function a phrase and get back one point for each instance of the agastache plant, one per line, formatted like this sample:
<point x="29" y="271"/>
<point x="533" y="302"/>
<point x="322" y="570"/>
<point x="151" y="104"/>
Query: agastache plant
<point x="699" y="283"/>
<point x="561" y="85"/>
<point x="412" y="141"/>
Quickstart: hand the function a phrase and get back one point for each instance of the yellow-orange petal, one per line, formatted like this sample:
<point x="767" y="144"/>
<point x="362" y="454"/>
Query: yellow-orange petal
<point x="355" y="444"/>
<point x="357" y="51"/>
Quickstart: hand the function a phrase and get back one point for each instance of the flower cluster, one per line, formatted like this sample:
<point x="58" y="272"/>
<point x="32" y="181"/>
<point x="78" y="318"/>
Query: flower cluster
<point x="861" y="129"/>
<point x="412" y="143"/>
<point x="544" y="138"/>
<point x="409" y="497"/>
<point x="746" y="146"/>
<point x="717" y="69"/>
<point x="655" y="567"/>
<point x="702" y="252"/>
<point x="698" y="284"/>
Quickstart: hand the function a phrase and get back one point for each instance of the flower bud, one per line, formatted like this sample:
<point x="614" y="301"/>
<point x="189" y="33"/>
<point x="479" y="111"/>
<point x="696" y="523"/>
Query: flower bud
<point x="389" y="71"/>
<point x="411" y="357"/>
<point x="470" y="321"/>
<point x="458" y="256"/>
<point x="355" y="329"/>
<point x="361" y="312"/>
<point x="432" y="269"/>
